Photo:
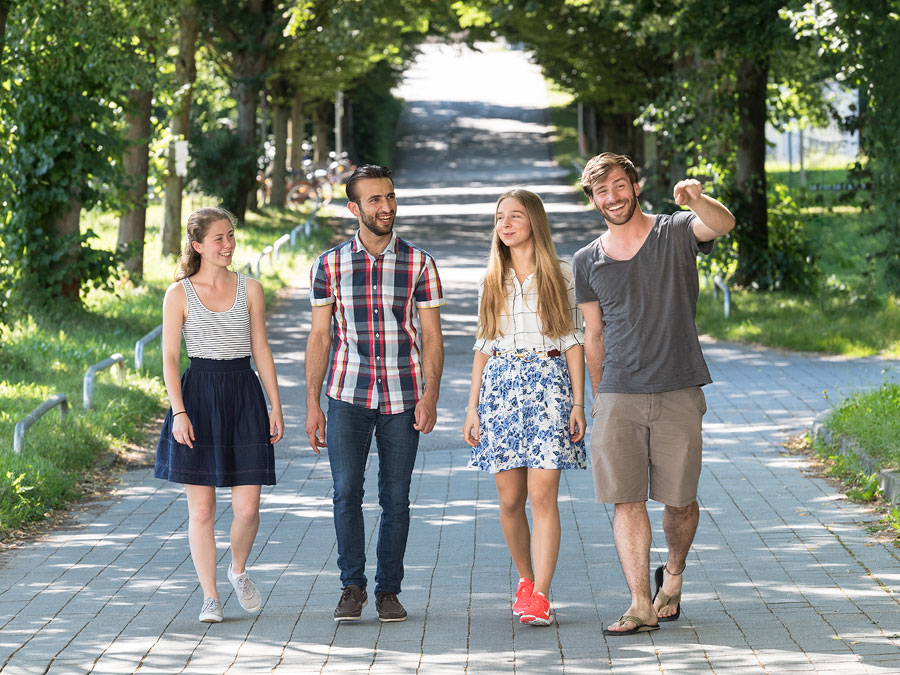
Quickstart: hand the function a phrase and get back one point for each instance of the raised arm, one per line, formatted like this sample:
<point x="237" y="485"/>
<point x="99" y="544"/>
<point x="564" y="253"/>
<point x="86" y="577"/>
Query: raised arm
<point x="318" y="347"/>
<point x="713" y="218"/>
<point x="262" y="356"/>
<point x="432" y="367"/>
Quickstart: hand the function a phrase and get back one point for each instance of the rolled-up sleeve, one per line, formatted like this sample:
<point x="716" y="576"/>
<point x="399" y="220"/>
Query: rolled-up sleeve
<point x="482" y="345"/>
<point x="428" y="291"/>
<point x="320" y="291"/>
<point x="577" y="336"/>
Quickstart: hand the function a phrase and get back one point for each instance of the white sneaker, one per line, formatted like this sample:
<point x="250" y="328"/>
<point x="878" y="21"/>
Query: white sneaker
<point x="247" y="593"/>
<point x="211" y="612"/>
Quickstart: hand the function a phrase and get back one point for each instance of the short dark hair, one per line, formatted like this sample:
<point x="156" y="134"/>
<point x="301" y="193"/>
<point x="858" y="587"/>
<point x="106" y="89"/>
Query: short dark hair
<point x="599" y="167"/>
<point x="362" y="173"/>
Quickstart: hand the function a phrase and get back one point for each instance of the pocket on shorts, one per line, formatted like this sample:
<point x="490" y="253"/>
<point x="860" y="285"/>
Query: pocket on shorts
<point x="700" y="399"/>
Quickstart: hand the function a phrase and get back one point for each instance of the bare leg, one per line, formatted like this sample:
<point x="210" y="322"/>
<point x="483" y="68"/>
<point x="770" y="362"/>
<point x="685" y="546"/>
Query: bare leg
<point x="680" y="525"/>
<point x="543" y="491"/>
<point x="631" y="531"/>
<point x="201" y="535"/>
<point x="245" y="508"/>
<point x="512" y="490"/>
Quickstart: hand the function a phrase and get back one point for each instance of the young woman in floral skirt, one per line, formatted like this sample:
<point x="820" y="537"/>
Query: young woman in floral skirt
<point x="525" y="419"/>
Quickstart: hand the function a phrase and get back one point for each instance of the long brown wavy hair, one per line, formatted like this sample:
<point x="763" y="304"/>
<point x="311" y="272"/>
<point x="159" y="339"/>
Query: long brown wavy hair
<point x="553" y="300"/>
<point x="198" y="224"/>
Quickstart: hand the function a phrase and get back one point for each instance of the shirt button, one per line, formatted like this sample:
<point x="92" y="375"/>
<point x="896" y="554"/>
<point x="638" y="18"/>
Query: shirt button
<point x="376" y="334"/>
<point x="374" y="287"/>
<point x="378" y="358"/>
<point x="376" y="311"/>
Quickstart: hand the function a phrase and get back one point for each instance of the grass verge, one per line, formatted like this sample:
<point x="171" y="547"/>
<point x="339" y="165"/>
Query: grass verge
<point x="39" y="358"/>
<point x="871" y="418"/>
<point x="847" y="475"/>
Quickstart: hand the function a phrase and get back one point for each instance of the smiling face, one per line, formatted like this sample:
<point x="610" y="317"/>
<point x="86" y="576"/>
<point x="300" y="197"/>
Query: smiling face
<point x="512" y="222"/>
<point x="376" y="206"/>
<point x="217" y="247"/>
<point x="615" y="197"/>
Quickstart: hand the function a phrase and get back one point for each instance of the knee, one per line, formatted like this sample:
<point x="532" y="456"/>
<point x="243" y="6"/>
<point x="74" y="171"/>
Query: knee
<point x="246" y="514"/>
<point x="543" y="502"/>
<point x="202" y="514"/>
<point x="394" y="498"/>
<point x="511" y="504"/>
<point x="347" y="494"/>
<point x="683" y="511"/>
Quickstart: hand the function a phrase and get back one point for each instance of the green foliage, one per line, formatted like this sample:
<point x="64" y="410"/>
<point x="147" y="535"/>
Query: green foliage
<point x="859" y="39"/>
<point x="67" y="70"/>
<point x="873" y="420"/>
<point x="788" y="265"/>
<point x="860" y="485"/>
<point x="376" y="115"/>
<point x="218" y="163"/>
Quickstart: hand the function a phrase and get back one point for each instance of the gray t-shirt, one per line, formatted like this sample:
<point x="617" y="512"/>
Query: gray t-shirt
<point x="649" y="305"/>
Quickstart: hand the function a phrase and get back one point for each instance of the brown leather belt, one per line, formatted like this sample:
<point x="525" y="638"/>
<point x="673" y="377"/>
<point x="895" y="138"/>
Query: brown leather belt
<point x="524" y="353"/>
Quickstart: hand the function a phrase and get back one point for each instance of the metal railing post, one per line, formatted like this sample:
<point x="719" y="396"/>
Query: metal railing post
<point x="88" y="387"/>
<point x="281" y="241"/>
<point x="726" y="294"/>
<point x="32" y="417"/>
<point x="139" y="347"/>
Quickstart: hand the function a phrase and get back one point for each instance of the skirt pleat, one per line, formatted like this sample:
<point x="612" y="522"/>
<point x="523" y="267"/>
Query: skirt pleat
<point x="227" y="408"/>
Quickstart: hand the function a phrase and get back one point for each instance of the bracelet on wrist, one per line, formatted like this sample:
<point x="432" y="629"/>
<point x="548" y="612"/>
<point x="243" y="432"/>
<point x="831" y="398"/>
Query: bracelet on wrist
<point x="580" y="405"/>
<point x="183" y="412"/>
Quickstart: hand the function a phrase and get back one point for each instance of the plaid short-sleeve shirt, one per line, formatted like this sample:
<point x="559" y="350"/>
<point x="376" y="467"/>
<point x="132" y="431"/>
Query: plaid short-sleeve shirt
<point x="376" y="356"/>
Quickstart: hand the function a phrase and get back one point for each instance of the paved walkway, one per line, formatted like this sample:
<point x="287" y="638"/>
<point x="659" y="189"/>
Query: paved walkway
<point x="782" y="576"/>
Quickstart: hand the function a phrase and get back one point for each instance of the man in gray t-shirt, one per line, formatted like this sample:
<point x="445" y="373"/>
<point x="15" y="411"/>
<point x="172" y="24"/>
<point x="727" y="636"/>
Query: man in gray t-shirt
<point x="637" y="287"/>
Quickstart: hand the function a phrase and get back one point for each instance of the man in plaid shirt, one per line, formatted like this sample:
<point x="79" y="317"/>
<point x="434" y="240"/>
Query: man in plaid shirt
<point x="376" y="310"/>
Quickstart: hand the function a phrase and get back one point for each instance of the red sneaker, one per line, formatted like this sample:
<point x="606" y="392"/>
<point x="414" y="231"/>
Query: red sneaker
<point x="538" y="611"/>
<point x="523" y="595"/>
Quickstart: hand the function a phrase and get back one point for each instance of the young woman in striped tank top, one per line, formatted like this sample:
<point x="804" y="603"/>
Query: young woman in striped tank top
<point x="218" y="432"/>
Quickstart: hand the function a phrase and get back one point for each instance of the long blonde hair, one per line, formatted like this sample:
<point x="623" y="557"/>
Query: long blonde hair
<point x="553" y="299"/>
<point x="197" y="226"/>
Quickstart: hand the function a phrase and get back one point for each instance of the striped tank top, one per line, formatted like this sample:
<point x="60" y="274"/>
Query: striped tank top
<point x="217" y="335"/>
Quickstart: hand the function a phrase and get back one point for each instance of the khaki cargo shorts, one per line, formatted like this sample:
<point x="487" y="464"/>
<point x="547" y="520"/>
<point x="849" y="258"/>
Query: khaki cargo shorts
<point x="641" y="441"/>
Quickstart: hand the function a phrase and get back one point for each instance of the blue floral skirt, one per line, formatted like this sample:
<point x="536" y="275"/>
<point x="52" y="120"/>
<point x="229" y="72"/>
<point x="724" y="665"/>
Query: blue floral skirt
<point x="228" y="411"/>
<point x="524" y="410"/>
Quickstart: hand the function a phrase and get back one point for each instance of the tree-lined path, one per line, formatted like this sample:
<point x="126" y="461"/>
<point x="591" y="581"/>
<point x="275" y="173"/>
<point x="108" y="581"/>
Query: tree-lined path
<point x="782" y="576"/>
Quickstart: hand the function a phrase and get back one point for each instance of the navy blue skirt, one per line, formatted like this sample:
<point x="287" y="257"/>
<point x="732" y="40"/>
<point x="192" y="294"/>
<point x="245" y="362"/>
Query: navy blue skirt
<point x="226" y="406"/>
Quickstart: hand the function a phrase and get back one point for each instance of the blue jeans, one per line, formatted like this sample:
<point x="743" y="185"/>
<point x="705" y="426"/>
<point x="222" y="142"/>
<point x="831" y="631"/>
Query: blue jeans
<point x="348" y="433"/>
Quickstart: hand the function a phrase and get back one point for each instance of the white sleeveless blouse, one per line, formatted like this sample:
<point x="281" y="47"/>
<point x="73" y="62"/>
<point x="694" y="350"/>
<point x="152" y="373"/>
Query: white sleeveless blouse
<point x="217" y="335"/>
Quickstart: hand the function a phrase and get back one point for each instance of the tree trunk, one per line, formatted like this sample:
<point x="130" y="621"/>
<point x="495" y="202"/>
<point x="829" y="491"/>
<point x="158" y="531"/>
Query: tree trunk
<point x="136" y="162"/>
<point x="247" y="71"/>
<point x="298" y="132"/>
<point x="750" y="174"/>
<point x="4" y="15"/>
<point x="280" y="115"/>
<point x="68" y="222"/>
<point x="321" y="129"/>
<point x="185" y="74"/>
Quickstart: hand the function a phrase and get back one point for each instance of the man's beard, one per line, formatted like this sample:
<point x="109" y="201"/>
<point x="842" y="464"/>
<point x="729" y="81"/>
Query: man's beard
<point x="375" y="226"/>
<point x="623" y="216"/>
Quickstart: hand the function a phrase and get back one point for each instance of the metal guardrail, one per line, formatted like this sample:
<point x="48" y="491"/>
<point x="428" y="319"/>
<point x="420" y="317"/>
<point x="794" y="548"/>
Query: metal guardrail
<point x="267" y="251"/>
<point x="719" y="284"/>
<point x="88" y="388"/>
<point x="32" y="417"/>
<point x="281" y="241"/>
<point x="139" y="347"/>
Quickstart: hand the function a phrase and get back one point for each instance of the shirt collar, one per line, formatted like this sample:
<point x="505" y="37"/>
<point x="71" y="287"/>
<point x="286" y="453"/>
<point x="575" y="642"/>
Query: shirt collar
<point x="356" y="245"/>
